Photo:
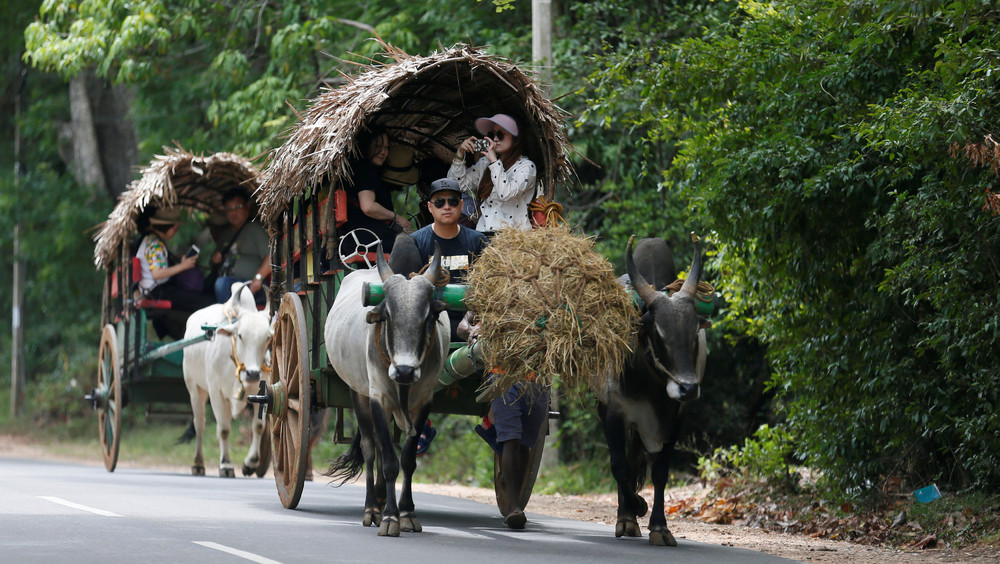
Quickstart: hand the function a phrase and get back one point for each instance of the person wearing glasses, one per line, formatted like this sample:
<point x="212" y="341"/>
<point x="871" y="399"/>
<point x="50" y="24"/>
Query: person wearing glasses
<point x="245" y="255"/>
<point x="459" y="247"/>
<point x="502" y="179"/>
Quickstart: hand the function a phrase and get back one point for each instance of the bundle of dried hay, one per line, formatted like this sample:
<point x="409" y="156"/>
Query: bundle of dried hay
<point x="549" y="305"/>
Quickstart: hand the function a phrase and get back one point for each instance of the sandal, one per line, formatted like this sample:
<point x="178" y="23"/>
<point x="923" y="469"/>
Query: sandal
<point x="489" y="434"/>
<point x="424" y="441"/>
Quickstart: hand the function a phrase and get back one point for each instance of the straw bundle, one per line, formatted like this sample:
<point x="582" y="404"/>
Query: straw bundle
<point x="549" y="305"/>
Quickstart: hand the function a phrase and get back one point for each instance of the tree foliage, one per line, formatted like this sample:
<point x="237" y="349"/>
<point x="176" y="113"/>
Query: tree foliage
<point x="813" y="137"/>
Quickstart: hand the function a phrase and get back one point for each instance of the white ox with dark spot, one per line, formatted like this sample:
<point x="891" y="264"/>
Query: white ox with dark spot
<point x="642" y="409"/>
<point x="211" y="372"/>
<point x="390" y="356"/>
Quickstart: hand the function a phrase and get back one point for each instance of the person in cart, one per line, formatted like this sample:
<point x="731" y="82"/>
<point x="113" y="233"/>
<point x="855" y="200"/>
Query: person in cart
<point x="162" y="276"/>
<point x="245" y="255"/>
<point x="369" y="197"/>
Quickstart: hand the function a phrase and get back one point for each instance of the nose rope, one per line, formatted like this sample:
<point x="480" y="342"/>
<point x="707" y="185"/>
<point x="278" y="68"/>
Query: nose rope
<point x="385" y="355"/>
<point x="659" y="365"/>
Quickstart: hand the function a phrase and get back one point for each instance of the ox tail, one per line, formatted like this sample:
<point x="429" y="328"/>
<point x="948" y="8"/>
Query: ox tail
<point x="349" y="465"/>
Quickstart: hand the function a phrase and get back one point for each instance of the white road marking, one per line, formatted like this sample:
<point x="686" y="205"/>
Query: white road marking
<point x="241" y="553"/>
<point x="78" y="506"/>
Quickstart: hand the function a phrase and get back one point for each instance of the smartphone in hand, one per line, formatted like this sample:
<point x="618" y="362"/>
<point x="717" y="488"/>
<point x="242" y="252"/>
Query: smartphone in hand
<point x="193" y="251"/>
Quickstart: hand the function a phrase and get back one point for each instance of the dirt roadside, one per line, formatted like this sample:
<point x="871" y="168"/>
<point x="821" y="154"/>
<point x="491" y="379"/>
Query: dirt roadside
<point x="601" y="508"/>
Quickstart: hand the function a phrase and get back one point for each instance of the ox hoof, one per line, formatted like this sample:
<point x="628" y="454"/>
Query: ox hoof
<point x="627" y="527"/>
<point x="227" y="472"/>
<point x="197" y="470"/>
<point x="247" y="471"/>
<point x="409" y="523"/>
<point x="372" y="517"/>
<point x="662" y="538"/>
<point x="389" y="527"/>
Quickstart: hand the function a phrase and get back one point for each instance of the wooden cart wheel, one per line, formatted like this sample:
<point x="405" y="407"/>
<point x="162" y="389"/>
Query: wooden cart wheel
<point x="289" y="381"/>
<point x="109" y="390"/>
<point x="530" y="473"/>
<point x="264" y="454"/>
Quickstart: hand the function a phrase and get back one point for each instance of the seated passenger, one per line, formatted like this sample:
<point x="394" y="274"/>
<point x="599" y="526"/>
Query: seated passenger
<point x="459" y="245"/>
<point x="159" y="278"/>
<point x="369" y="198"/>
<point x="245" y="256"/>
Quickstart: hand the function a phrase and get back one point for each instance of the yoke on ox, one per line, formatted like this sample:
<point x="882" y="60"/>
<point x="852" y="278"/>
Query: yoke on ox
<point x="641" y="410"/>
<point x="390" y="356"/>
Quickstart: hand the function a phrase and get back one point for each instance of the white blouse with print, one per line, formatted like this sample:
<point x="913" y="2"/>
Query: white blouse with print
<point x="513" y="189"/>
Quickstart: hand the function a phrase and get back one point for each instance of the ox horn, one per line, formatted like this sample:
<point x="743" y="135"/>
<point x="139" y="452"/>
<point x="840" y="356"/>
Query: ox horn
<point x="690" y="286"/>
<point x="645" y="290"/>
<point x="383" y="267"/>
<point x="433" y="271"/>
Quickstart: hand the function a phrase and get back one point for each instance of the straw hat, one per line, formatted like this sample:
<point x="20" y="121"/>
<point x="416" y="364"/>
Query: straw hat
<point x="398" y="168"/>
<point x="166" y="216"/>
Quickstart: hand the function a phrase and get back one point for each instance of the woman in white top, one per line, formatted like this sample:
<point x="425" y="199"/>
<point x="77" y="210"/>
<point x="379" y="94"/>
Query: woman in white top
<point x="502" y="180"/>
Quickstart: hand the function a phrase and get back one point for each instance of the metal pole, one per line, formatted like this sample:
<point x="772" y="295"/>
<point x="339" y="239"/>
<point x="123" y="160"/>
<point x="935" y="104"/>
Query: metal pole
<point x="541" y="54"/>
<point x="17" y="381"/>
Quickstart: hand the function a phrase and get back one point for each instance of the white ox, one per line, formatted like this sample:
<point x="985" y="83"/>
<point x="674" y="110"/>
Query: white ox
<point x="390" y="356"/>
<point x="211" y="372"/>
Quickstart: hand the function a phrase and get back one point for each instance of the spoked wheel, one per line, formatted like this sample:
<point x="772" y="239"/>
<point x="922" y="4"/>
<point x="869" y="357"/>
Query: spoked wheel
<point x="289" y="381"/>
<point x="108" y="397"/>
<point x="530" y="474"/>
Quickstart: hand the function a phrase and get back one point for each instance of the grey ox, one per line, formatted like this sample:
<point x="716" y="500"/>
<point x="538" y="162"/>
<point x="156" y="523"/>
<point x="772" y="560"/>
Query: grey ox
<point x="641" y="410"/>
<point x="390" y="355"/>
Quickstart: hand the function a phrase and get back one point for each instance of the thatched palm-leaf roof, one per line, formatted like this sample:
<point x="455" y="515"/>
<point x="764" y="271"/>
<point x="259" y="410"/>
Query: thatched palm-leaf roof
<point x="426" y="102"/>
<point x="175" y="179"/>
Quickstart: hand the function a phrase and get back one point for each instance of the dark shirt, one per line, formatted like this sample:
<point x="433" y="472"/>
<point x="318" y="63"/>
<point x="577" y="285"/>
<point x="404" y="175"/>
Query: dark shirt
<point x="456" y="253"/>
<point x="367" y="177"/>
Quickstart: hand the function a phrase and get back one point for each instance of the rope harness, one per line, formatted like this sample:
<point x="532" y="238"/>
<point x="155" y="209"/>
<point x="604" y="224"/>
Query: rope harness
<point x="238" y="391"/>
<point x="705" y="293"/>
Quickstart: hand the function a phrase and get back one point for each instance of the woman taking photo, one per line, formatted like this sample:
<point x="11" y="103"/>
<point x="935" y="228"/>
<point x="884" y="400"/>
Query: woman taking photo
<point x="502" y="180"/>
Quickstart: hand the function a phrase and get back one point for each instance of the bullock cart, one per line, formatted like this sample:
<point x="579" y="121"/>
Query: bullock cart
<point x="133" y="366"/>
<point x="426" y="104"/>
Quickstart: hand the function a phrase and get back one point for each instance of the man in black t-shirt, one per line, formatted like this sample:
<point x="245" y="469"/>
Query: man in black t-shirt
<point x="459" y="245"/>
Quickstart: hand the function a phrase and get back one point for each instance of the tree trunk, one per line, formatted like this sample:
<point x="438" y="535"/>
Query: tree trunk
<point x="103" y="137"/>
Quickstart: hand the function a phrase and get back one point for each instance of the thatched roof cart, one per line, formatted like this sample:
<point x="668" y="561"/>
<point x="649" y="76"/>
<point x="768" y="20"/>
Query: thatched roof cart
<point x="428" y="104"/>
<point x="132" y="367"/>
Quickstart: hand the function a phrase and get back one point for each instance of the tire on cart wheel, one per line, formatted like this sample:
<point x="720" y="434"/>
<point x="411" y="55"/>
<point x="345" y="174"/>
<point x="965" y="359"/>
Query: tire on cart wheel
<point x="289" y="381"/>
<point x="530" y="473"/>
<point x="109" y="390"/>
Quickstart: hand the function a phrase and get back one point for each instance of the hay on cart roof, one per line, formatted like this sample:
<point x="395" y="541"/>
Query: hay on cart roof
<point x="175" y="179"/>
<point x="426" y="102"/>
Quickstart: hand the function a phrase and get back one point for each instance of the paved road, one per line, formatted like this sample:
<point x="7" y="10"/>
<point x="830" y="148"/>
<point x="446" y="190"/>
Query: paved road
<point x="58" y="512"/>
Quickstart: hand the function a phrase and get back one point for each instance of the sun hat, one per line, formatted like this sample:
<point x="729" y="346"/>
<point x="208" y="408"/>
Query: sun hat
<point x="503" y="120"/>
<point x="398" y="168"/>
<point x="442" y="185"/>
<point x="166" y="216"/>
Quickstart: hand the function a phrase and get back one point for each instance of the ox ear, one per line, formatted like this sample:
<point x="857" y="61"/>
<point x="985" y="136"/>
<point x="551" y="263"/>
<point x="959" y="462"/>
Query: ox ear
<point x="229" y="329"/>
<point x="437" y="306"/>
<point x="376" y="314"/>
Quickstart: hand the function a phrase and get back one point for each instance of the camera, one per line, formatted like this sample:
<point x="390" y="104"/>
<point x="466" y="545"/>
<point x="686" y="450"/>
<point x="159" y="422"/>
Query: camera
<point x="481" y="145"/>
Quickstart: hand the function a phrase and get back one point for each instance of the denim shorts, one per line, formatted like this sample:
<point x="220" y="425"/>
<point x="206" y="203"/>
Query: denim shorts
<point x="520" y="413"/>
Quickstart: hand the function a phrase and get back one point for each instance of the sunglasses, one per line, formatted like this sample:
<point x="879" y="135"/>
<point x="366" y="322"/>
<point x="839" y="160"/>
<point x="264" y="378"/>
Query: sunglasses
<point x="496" y="135"/>
<point x="453" y="202"/>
